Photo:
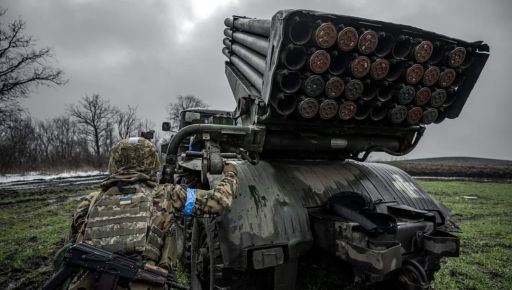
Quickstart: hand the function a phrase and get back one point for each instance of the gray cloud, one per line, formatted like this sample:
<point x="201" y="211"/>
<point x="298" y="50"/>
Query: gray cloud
<point x="145" y="53"/>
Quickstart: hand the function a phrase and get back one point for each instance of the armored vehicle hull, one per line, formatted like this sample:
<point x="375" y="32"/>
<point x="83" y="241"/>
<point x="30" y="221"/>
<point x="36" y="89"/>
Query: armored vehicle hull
<point x="285" y="209"/>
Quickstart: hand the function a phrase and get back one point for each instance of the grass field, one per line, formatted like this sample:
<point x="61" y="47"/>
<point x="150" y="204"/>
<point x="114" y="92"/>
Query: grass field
<point x="34" y="227"/>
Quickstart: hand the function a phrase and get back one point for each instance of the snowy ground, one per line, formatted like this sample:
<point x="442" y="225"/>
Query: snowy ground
<point x="37" y="180"/>
<point x="38" y="175"/>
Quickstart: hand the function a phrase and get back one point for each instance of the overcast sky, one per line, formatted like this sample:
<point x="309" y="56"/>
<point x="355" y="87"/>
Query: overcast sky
<point x="145" y="53"/>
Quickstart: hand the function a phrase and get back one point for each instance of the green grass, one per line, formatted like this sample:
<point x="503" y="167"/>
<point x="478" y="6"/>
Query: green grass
<point x="34" y="227"/>
<point x="32" y="231"/>
<point x="486" y="240"/>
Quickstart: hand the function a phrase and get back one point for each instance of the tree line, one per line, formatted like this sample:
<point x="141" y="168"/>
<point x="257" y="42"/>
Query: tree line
<point x="80" y="138"/>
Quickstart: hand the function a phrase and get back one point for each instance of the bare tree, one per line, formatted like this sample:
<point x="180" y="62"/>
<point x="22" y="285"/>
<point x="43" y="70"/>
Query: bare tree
<point x="94" y="114"/>
<point x="66" y="140"/>
<point x="23" y="67"/>
<point x="126" y="122"/>
<point x="45" y="136"/>
<point x="183" y="103"/>
<point x="16" y="139"/>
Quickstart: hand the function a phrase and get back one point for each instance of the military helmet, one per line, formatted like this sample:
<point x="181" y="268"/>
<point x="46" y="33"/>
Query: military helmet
<point x="135" y="152"/>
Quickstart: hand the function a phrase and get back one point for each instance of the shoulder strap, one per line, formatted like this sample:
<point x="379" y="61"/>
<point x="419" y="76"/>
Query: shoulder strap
<point x="80" y="235"/>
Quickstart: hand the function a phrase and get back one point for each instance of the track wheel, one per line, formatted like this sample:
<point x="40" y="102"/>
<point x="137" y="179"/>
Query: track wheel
<point x="206" y="257"/>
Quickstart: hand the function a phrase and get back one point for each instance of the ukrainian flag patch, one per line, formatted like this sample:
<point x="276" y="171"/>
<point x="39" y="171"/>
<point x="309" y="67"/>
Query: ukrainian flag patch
<point x="125" y="200"/>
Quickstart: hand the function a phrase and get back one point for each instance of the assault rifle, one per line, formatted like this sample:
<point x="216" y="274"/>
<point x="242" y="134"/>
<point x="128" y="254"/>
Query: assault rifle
<point x="112" y="268"/>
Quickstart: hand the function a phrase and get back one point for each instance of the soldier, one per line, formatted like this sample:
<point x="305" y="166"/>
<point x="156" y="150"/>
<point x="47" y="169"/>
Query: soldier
<point x="132" y="214"/>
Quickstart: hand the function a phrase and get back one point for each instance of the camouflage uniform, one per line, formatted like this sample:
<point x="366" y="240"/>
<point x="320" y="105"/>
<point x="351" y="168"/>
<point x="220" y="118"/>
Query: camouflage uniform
<point x="132" y="214"/>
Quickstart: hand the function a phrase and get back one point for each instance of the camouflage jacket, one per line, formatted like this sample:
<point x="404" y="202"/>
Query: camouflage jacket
<point x="168" y="199"/>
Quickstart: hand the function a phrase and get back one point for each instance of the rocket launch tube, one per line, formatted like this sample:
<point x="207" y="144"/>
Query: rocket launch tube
<point x="254" y="59"/>
<point x="247" y="70"/>
<point x="256" y="43"/>
<point x="252" y="25"/>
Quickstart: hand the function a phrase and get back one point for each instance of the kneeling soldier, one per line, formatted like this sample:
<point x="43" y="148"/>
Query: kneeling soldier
<point x="132" y="214"/>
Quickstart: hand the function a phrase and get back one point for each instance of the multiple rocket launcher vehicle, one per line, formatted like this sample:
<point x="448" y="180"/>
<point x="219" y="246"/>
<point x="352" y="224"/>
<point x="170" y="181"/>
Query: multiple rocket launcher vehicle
<point x="314" y="92"/>
<point x="317" y="67"/>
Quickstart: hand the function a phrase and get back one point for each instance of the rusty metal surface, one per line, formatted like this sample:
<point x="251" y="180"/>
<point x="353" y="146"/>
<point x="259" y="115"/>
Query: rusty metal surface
<point x="319" y="61"/>
<point x="347" y="39"/>
<point x="347" y="110"/>
<point x="447" y="77"/>
<point x="379" y="69"/>
<point x="334" y="87"/>
<point x="325" y="35"/>
<point x="368" y="42"/>
<point x="431" y="76"/>
<point x="360" y="66"/>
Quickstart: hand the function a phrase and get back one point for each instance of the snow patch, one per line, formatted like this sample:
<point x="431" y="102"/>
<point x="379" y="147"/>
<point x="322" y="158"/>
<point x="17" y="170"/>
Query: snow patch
<point x="35" y="175"/>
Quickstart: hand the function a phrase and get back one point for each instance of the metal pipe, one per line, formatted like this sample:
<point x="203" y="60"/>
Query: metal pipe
<point x="319" y="61"/>
<point x="423" y="51"/>
<point x="456" y="56"/>
<point x="254" y="42"/>
<point x="468" y="60"/>
<point x="396" y="67"/>
<point x="328" y="109"/>
<point x="385" y="92"/>
<point x="308" y="108"/>
<point x="339" y="62"/>
<point x="252" y="25"/>
<point x="284" y="103"/>
<point x="423" y="96"/>
<point x="370" y="90"/>
<point x="189" y="130"/>
<point x="447" y="77"/>
<point x="397" y="114"/>
<point x="414" y="115"/>
<point x="406" y="94"/>
<point x="325" y="35"/>
<point x="300" y="31"/>
<point x="294" y="57"/>
<point x="378" y="112"/>
<point x="347" y="110"/>
<point x="289" y="81"/>
<point x="353" y="89"/>
<point x="379" y="69"/>
<point x="429" y="116"/>
<point x="314" y="85"/>
<point x="248" y="71"/>
<point x="438" y="98"/>
<point x="431" y="76"/>
<point x="363" y="111"/>
<point x="386" y="43"/>
<point x="256" y="60"/>
<point x="347" y="39"/>
<point x="334" y="87"/>
<point x="438" y="53"/>
<point x="414" y="74"/>
<point x="402" y="47"/>
<point x="368" y="42"/>
<point x="360" y="66"/>
<point x="288" y="141"/>
<point x="201" y="154"/>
